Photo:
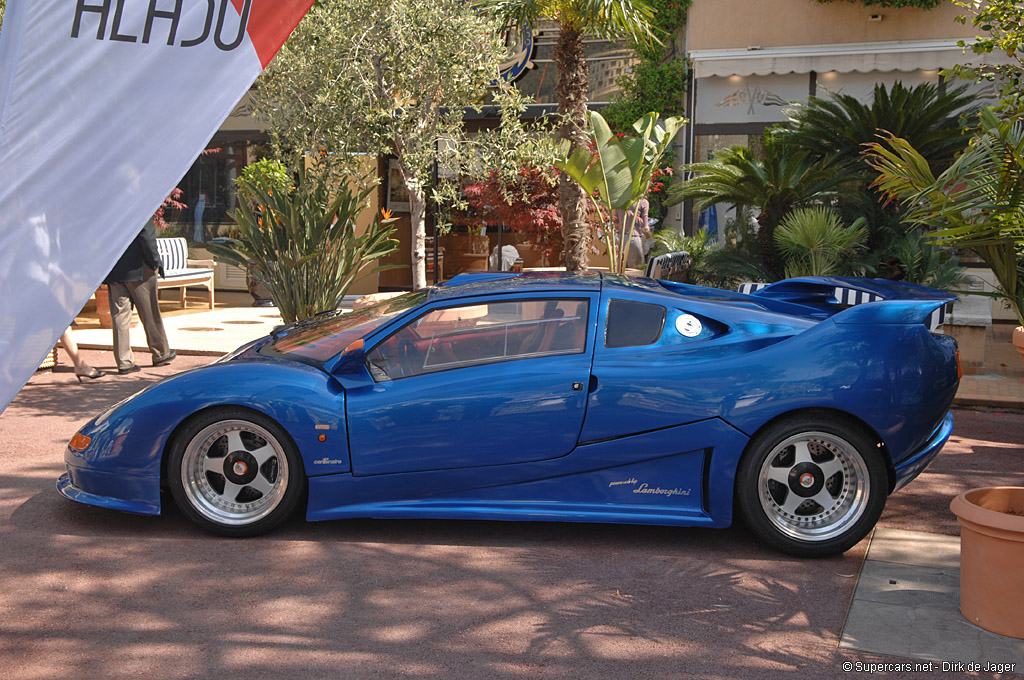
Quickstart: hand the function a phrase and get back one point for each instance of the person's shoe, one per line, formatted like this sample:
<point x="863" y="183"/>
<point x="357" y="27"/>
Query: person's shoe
<point x="92" y="375"/>
<point x="134" y="368"/>
<point x="167" y="359"/>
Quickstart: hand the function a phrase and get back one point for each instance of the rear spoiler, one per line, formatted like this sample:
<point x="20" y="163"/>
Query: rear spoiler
<point x="906" y="302"/>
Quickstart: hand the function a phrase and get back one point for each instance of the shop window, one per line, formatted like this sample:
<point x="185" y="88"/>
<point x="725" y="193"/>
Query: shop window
<point x="605" y="58"/>
<point x="208" y="194"/>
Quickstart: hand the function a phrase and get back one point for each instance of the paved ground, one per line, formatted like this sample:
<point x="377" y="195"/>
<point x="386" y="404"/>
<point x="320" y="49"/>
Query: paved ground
<point x="87" y="593"/>
<point x="195" y="330"/>
<point x="907" y="604"/>
<point x="1002" y="383"/>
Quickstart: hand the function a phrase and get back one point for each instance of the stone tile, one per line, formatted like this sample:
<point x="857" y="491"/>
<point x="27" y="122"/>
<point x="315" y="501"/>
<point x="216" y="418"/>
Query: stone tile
<point x="907" y="585"/>
<point x="915" y="548"/>
<point x="907" y="604"/>
<point x="934" y="634"/>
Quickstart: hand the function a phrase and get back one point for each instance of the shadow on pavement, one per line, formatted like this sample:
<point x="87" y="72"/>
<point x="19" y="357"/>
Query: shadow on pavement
<point x="91" y="593"/>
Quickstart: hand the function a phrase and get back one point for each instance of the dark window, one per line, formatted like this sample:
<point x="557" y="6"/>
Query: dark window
<point x="632" y="324"/>
<point x="470" y="335"/>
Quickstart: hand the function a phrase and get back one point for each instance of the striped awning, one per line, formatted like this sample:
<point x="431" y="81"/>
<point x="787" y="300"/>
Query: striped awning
<point x="911" y="55"/>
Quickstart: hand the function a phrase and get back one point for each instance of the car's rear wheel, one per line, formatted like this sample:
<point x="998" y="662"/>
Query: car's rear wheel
<point x="811" y="486"/>
<point x="235" y="472"/>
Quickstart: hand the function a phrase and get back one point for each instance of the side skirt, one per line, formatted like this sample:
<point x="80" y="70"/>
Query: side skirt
<point x="681" y="475"/>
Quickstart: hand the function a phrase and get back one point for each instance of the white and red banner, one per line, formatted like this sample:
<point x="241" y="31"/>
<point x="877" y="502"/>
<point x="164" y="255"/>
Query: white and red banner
<point x="104" y="105"/>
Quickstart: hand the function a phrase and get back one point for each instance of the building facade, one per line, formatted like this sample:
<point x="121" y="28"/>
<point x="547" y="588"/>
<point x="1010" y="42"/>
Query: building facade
<point x="752" y="60"/>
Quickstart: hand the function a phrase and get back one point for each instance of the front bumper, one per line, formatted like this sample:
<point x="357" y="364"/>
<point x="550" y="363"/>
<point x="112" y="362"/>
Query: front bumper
<point x="915" y="465"/>
<point x="114" y="491"/>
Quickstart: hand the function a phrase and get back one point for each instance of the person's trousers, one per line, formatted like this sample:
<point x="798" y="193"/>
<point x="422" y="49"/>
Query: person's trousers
<point x="635" y="256"/>
<point x="144" y="295"/>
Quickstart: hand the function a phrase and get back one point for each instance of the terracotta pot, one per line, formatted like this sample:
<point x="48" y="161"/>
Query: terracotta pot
<point x="1018" y="340"/>
<point x="991" y="552"/>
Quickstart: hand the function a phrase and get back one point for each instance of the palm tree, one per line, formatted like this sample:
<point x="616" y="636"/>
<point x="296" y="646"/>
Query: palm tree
<point x="837" y="127"/>
<point x="609" y="19"/>
<point x="785" y="178"/>
<point x="977" y="203"/>
<point x="815" y="241"/>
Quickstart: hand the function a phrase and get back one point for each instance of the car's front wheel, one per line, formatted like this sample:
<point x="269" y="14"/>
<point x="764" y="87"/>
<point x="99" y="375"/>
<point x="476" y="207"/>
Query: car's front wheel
<point x="811" y="486"/>
<point x="235" y="472"/>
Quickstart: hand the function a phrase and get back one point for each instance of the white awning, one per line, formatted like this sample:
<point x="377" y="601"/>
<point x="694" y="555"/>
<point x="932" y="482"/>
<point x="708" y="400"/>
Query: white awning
<point x="914" y="55"/>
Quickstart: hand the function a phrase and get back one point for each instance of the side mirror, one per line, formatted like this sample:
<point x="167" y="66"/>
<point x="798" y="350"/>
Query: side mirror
<point x="350" y="369"/>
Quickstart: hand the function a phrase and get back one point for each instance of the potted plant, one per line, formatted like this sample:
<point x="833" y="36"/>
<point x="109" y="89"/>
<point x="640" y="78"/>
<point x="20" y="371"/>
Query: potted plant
<point x="991" y="552"/>
<point x="977" y="204"/>
<point x="526" y="205"/>
<point x="300" y="241"/>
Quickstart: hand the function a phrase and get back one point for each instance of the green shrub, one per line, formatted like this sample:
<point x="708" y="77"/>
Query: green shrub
<point x="814" y="242"/>
<point x="300" y="241"/>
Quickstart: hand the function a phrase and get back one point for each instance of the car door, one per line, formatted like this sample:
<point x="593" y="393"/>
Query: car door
<point x="486" y="381"/>
<point x="641" y="379"/>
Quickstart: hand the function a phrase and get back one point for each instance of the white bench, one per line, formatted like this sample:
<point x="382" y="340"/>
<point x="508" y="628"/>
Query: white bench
<point x="181" y="272"/>
<point x="670" y="266"/>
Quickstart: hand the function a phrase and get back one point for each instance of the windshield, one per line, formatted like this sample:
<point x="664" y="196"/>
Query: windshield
<point x="319" y="340"/>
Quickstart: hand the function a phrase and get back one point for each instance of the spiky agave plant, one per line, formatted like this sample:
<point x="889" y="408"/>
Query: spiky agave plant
<point x="301" y="242"/>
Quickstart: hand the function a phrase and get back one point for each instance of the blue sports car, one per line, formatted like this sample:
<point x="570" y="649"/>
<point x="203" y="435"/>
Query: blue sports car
<point x="554" y="397"/>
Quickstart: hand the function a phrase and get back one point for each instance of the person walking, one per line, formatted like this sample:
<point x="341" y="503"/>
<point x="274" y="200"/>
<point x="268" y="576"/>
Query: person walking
<point x="133" y="281"/>
<point x="636" y="221"/>
<point x="82" y="367"/>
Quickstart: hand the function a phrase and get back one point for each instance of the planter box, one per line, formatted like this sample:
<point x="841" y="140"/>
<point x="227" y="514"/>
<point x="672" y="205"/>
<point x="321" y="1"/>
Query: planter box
<point x="969" y="324"/>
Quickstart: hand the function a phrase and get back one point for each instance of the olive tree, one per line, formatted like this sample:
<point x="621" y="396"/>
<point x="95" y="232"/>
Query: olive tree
<point x="1003" y="23"/>
<point x="388" y="78"/>
<point x="577" y="20"/>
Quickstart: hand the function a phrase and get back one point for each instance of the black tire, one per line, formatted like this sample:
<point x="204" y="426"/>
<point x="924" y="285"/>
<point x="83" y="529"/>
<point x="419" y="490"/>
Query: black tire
<point x="235" y="472"/>
<point x="811" y="486"/>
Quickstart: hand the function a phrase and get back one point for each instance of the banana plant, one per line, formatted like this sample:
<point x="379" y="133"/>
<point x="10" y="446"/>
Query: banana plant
<point x="618" y="173"/>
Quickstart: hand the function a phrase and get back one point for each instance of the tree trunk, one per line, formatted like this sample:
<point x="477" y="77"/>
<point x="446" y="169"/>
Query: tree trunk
<point x="417" y="209"/>
<point x="766" y="244"/>
<point x="572" y="107"/>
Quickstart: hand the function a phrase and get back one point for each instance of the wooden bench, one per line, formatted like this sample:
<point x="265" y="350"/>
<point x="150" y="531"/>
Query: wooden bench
<point x="181" y="272"/>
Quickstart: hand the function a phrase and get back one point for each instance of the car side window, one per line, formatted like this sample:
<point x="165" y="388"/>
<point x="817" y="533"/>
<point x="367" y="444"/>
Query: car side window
<point x="469" y="335"/>
<point x="633" y="324"/>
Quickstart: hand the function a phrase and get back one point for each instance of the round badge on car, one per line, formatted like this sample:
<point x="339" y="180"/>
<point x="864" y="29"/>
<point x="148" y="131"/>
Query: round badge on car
<point x="689" y="326"/>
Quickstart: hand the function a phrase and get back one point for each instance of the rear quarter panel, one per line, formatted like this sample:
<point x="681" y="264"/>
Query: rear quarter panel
<point x="895" y="377"/>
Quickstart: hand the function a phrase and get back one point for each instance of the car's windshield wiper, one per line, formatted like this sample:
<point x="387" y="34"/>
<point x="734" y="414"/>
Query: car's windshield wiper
<point x="304" y="323"/>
